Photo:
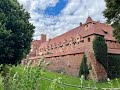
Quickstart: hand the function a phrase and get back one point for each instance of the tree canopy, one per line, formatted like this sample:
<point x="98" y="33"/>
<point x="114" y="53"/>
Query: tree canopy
<point x="112" y="13"/>
<point x="15" y="32"/>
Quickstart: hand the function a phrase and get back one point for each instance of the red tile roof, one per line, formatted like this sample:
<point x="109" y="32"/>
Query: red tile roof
<point x="65" y="36"/>
<point x="110" y="38"/>
<point x="114" y="51"/>
<point x="80" y="31"/>
<point x="93" y="30"/>
<point x="36" y="42"/>
<point x="44" y="45"/>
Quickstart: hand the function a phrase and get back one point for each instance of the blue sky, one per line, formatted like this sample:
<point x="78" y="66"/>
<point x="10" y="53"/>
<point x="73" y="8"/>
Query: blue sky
<point x="55" y="17"/>
<point x="54" y="11"/>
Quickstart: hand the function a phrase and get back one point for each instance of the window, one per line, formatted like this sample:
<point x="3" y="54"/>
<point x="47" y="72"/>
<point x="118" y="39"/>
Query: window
<point x="105" y="32"/>
<point x="88" y="39"/>
<point x="82" y="41"/>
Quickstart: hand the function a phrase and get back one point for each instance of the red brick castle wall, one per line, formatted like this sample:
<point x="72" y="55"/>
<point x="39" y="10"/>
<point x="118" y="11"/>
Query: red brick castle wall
<point x="65" y="52"/>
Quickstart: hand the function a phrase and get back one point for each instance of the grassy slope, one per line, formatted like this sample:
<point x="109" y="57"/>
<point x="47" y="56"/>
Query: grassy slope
<point x="76" y="81"/>
<point x="45" y="84"/>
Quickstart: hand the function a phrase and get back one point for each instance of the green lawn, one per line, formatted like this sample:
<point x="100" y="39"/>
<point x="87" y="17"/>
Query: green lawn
<point x="30" y="78"/>
<point x="76" y="81"/>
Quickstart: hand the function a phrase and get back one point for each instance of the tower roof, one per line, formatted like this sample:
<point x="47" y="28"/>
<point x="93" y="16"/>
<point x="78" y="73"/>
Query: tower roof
<point x="89" y="19"/>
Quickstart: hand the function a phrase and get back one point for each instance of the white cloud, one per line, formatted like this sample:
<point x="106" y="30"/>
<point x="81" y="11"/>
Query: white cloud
<point x="42" y="4"/>
<point x="76" y="11"/>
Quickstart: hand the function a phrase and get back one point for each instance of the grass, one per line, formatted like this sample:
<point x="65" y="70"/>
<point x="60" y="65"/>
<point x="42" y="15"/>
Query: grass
<point x="32" y="78"/>
<point x="76" y="81"/>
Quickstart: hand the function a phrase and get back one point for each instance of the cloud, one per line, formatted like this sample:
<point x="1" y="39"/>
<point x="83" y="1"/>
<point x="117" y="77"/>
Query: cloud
<point x="74" y="12"/>
<point x="33" y="4"/>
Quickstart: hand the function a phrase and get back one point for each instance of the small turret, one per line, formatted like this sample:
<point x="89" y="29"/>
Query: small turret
<point x="89" y="19"/>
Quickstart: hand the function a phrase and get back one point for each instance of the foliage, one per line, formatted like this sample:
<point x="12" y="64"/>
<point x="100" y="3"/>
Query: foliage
<point x="28" y="79"/>
<point x="4" y="69"/>
<point x="112" y="13"/>
<point x="15" y="32"/>
<point x="100" y="50"/>
<point x="31" y="78"/>
<point x="113" y="66"/>
<point x="83" y="67"/>
<point x="57" y="84"/>
<point x="49" y="53"/>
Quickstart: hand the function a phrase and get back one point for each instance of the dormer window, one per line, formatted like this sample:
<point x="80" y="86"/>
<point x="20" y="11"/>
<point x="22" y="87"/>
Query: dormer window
<point x="105" y="32"/>
<point x="67" y="44"/>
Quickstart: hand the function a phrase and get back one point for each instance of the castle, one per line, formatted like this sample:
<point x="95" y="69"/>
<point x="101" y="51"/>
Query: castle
<point x="65" y="51"/>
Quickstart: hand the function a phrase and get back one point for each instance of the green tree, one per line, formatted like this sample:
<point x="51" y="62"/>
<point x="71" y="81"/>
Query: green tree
<point x="15" y="32"/>
<point x="112" y="13"/>
<point x="113" y="66"/>
<point x="100" y="50"/>
<point x="83" y="67"/>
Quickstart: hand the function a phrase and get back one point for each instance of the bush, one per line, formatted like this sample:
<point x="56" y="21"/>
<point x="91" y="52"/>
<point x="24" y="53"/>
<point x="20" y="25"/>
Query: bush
<point x="83" y="67"/>
<point x="113" y="66"/>
<point x="100" y="50"/>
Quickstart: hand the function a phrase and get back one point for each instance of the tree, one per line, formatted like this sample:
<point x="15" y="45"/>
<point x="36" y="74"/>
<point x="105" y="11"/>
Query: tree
<point x="112" y="13"/>
<point x="15" y="32"/>
<point x="83" y="67"/>
<point x="100" y="50"/>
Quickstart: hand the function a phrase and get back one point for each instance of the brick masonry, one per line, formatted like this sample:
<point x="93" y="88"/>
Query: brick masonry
<point x="68" y="64"/>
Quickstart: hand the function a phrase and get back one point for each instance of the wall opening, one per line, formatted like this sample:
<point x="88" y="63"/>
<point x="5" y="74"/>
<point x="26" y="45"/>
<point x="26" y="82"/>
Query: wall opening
<point x="88" y="39"/>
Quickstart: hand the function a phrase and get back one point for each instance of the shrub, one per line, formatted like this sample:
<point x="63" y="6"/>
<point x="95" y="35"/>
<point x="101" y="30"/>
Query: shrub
<point x="100" y="50"/>
<point x="83" y="67"/>
<point x="113" y="66"/>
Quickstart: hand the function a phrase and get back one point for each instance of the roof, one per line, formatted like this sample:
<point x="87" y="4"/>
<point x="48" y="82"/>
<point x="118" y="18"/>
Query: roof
<point x="44" y="45"/>
<point x="89" y="19"/>
<point x="93" y="30"/>
<point x="66" y="36"/>
<point x="36" y="42"/>
<point x="94" y="27"/>
<point x="114" y="51"/>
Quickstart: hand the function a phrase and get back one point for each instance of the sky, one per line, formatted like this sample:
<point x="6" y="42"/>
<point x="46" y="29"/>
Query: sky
<point x="55" y="17"/>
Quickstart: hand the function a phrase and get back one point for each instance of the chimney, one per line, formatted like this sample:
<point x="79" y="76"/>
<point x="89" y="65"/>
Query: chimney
<point x="43" y="38"/>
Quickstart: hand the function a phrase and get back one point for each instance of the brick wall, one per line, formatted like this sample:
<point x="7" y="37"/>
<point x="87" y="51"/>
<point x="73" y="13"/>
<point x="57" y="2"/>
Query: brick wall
<point x="97" y="71"/>
<point x="68" y="64"/>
